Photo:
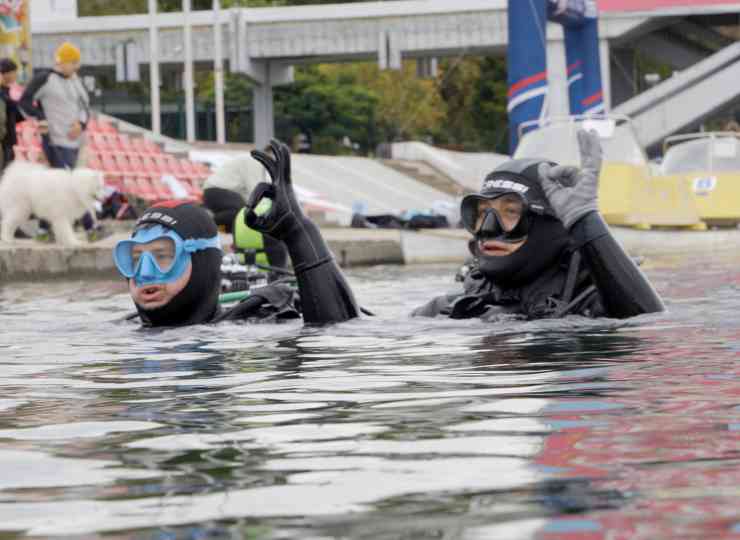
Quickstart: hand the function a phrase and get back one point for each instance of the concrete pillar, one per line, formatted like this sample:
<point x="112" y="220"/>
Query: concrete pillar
<point x="154" y="68"/>
<point x="188" y="79"/>
<point x="263" y="112"/>
<point x="557" y="77"/>
<point x="606" y="78"/>
<point x="265" y="76"/>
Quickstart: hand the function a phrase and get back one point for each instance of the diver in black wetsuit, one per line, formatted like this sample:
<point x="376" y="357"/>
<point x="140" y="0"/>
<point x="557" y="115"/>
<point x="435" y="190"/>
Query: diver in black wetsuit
<point x="172" y="261"/>
<point x="542" y="249"/>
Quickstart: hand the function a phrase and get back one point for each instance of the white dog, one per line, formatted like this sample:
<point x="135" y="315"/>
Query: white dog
<point x="56" y="195"/>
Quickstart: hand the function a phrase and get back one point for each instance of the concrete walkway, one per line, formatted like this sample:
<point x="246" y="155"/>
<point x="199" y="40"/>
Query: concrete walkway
<point x="29" y="260"/>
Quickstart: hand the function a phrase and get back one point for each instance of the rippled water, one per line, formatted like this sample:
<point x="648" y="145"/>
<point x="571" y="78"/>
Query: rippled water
<point x="380" y="428"/>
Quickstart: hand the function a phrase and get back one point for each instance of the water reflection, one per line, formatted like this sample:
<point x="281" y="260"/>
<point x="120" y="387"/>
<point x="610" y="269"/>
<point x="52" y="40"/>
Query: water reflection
<point x="384" y="428"/>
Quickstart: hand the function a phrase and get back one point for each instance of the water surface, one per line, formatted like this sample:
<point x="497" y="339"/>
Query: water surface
<point x="382" y="428"/>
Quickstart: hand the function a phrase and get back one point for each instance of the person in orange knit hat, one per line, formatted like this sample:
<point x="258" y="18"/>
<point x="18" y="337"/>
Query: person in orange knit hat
<point x="59" y="101"/>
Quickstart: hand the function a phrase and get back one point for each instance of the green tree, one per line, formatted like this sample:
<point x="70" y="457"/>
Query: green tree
<point x="408" y="107"/>
<point x="327" y="106"/>
<point x="489" y="105"/>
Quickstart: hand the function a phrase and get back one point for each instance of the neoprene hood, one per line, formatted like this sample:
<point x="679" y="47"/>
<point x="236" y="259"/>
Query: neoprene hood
<point x="198" y="302"/>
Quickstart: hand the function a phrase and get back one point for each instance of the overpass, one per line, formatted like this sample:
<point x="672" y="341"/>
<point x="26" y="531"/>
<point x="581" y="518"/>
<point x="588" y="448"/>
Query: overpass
<point x="265" y="43"/>
<point x="686" y="98"/>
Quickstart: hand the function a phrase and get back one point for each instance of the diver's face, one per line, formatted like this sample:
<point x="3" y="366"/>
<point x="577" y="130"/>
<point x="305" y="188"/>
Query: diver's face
<point x="158" y="294"/>
<point x="510" y="208"/>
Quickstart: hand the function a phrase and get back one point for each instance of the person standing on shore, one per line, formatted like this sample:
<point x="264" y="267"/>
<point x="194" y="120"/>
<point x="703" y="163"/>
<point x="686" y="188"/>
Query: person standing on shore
<point x="59" y="101"/>
<point x="8" y="77"/>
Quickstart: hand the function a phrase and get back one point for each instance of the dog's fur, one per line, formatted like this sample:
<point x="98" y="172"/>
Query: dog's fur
<point x="56" y="195"/>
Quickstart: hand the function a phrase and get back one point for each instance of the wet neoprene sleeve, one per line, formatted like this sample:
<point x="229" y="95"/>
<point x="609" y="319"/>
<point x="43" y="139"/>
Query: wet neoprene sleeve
<point x="325" y="295"/>
<point x="624" y="289"/>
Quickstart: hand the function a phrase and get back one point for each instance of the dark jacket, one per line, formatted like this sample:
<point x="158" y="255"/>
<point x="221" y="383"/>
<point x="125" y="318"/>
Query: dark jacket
<point x="593" y="278"/>
<point x="13" y="116"/>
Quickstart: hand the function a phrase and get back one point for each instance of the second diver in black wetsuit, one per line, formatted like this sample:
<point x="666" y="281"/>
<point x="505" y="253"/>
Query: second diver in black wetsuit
<point x="542" y="250"/>
<point x="172" y="261"/>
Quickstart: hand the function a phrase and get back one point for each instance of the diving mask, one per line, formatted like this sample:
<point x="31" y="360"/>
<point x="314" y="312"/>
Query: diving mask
<point x="157" y="255"/>
<point x="508" y="223"/>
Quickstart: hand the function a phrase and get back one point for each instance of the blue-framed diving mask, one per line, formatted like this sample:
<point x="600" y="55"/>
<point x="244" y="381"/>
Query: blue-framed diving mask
<point x="158" y="263"/>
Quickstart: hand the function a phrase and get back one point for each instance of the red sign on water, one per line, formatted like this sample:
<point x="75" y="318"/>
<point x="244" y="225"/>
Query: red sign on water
<point x="646" y="5"/>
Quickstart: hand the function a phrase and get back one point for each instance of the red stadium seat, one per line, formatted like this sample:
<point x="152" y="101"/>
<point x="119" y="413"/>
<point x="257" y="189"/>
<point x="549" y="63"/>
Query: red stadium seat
<point x="93" y="160"/>
<point x="161" y="189"/>
<point x="124" y="143"/>
<point x="123" y="163"/>
<point x="115" y="181"/>
<point x="145" y="146"/>
<point x="105" y="127"/>
<point x="100" y="142"/>
<point x="138" y="164"/>
<point x="139" y="187"/>
<point x="152" y="165"/>
<point x="109" y="163"/>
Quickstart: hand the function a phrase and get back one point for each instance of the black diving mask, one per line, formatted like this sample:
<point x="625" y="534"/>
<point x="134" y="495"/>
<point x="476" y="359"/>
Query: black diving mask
<point x="491" y="226"/>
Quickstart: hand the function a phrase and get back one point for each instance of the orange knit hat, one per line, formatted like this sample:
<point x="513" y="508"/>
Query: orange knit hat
<point x="67" y="53"/>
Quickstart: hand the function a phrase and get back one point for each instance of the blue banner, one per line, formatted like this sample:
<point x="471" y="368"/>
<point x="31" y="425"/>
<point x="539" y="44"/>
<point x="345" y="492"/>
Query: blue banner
<point x="592" y="101"/>
<point x="527" y="64"/>
<point x="574" y="60"/>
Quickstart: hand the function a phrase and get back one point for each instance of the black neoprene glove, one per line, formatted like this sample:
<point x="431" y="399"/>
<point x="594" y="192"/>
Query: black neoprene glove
<point x="285" y="219"/>
<point x="325" y="294"/>
<point x="285" y="214"/>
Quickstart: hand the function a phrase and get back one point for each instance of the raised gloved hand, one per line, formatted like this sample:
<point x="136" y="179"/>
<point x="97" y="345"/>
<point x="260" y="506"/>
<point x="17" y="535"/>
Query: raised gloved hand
<point x="573" y="192"/>
<point x="284" y="214"/>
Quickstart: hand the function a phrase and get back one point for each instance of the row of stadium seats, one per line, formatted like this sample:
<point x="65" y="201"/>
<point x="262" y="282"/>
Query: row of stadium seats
<point x="132" y="165"/>
<point x="112" y="141"/>
<point x="120" y="142"/>
<point x="151" y="189"/>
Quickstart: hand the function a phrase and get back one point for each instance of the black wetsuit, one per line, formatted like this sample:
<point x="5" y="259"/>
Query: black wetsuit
<point x="593" y="277"/>
<point x="325" y="296"/>
<point x="13" y="117"/>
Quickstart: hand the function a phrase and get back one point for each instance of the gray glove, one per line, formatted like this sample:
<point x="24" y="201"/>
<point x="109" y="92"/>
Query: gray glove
<point x="573" y="192"/>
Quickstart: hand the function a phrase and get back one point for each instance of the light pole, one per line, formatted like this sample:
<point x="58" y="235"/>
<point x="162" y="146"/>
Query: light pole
<point x="188" y="75"/>
<point x="154" y="67"/>
<point x="218" y="75"/>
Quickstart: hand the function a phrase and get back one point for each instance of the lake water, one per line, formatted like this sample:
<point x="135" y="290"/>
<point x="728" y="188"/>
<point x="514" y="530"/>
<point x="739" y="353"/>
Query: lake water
<point x="384" y="428"/>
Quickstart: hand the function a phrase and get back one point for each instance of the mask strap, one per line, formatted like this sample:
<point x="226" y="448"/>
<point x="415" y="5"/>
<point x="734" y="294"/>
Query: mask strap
<point x="197" y="244"/>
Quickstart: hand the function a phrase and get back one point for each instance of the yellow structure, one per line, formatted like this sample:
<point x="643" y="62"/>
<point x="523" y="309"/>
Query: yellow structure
<point x="708" y="164"/>
<point x="629" y="194"/>
<point x="15" y="35"/>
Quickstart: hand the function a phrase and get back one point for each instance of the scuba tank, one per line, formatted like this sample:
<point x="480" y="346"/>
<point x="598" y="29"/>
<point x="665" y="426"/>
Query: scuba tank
<point x="254" y="262"/>
<point x="249" y="244"/>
